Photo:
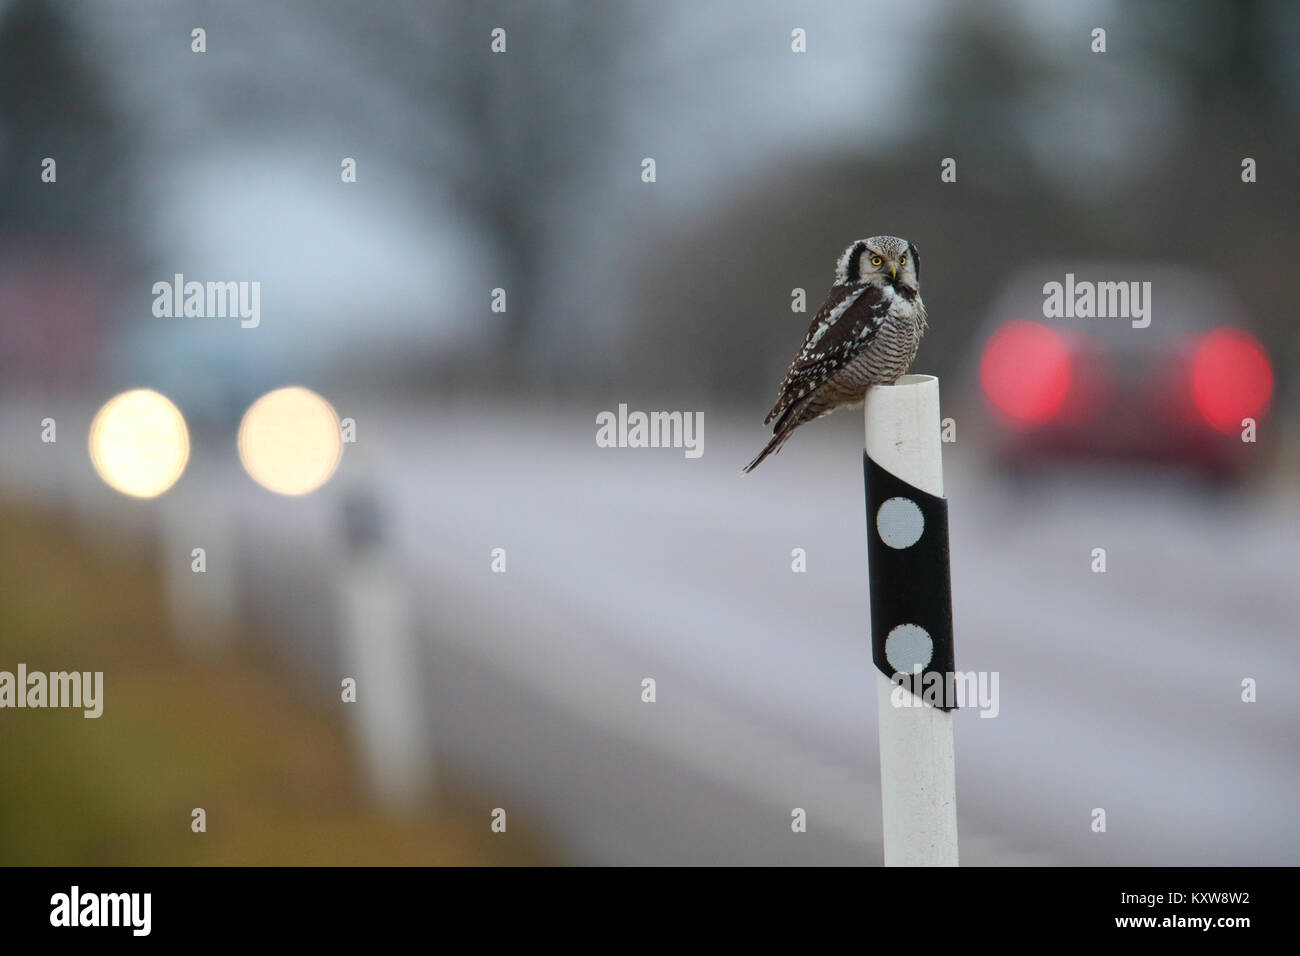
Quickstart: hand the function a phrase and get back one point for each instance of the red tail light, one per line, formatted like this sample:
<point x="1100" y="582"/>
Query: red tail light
<point x="1232" y="378"/>
<point x="1025" y="372"/>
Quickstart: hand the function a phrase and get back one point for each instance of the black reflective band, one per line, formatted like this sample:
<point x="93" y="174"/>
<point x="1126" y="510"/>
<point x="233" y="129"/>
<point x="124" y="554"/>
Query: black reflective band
<point x="910" y="585"/>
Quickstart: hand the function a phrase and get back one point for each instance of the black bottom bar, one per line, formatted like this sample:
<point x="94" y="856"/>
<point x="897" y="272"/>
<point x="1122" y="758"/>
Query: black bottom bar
<point x="457" y="906"/>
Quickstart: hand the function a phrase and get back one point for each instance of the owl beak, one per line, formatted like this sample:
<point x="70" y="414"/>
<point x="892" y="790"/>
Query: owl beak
<point x="893" y="270"/>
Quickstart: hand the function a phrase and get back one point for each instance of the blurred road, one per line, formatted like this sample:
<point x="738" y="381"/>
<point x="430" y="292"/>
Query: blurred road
<point x="1118" y="690"/>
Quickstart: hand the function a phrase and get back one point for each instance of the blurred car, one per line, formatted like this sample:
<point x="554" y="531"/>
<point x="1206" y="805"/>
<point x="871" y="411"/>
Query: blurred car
<point x="1113" y="362"/>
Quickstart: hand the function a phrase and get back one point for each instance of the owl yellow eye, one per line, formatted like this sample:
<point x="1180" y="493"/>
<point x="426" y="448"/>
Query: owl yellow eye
<point x="902" y="260"/>
<point x="876" y="260"/>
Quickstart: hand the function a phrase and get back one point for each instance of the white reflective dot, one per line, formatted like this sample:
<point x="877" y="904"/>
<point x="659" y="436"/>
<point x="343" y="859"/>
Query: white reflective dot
<point x="899" y="522"/>
<point x="908" y="645"/>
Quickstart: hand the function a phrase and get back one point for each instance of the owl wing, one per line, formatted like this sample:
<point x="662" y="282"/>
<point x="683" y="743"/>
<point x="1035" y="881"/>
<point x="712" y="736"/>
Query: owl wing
<point x="846" y="322"/>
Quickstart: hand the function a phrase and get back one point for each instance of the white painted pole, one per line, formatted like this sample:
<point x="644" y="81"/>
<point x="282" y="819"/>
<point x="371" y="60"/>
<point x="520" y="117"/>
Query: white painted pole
<point x="204" y="608"/>
<point x="918" y="786"/>
<point x="391" y="725"/>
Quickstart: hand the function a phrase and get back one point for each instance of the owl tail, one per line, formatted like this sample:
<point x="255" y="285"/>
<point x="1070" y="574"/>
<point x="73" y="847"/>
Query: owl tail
<point x="782" y="433"/>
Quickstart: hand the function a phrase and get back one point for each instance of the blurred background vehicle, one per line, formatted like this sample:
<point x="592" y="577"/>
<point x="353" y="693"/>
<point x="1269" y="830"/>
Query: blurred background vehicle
<point x="1178" y="385"/>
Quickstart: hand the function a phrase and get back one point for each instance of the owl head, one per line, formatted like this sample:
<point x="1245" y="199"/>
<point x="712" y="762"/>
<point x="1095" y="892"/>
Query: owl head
<point x="885" y="259"/>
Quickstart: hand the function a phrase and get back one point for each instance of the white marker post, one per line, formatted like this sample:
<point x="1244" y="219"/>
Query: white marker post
<point x="382" y="653"/>
<point x="917" y="773"/>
